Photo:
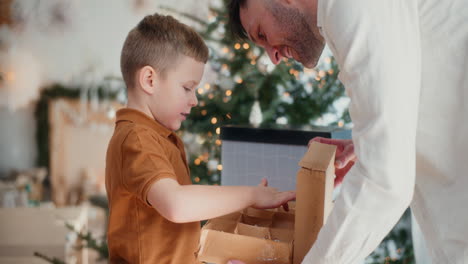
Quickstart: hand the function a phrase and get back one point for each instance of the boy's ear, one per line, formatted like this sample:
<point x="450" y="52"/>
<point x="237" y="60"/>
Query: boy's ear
<point x="147" y="79"/>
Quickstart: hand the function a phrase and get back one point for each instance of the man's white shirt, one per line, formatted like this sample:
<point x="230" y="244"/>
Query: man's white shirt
<point x="404" y="64"/>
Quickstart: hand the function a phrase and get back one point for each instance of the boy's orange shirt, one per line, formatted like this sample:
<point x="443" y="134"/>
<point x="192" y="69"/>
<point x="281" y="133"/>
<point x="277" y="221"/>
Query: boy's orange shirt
<point x="141" y="152"/>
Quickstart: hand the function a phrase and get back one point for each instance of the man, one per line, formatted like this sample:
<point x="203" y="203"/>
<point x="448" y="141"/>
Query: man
<point x="404" y="64"/>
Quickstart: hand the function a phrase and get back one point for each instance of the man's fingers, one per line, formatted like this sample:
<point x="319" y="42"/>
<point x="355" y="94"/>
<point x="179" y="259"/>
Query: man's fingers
<point x="320" y="140"/>
<point x="339" y="143"/>
<point x="341" y="173"/>
<point x="345" y="157"/>
<point x="338" y="180"/>
<point x="345" y="150"/>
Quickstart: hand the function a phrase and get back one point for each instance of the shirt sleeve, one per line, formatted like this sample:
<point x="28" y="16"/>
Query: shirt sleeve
<point x="376" y="44"/>
<point x="144" y="161"/>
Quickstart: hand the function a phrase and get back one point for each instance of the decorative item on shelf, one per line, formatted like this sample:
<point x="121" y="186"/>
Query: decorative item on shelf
<point x="79" y="133"/>
<point x="74" y="125"/>
<point x="22" y="188"/>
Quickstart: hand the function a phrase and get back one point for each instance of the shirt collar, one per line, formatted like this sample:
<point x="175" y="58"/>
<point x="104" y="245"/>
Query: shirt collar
<point x="137" y="117"/>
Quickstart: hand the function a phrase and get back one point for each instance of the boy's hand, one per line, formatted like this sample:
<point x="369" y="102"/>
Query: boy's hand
<point x="266" y="197"/>
<point x="344" y="157"/>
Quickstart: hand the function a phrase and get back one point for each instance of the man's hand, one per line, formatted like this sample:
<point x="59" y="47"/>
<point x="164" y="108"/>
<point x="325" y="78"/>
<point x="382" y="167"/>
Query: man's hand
<point x="344" y="158"/>
<point x="266" y="197"/>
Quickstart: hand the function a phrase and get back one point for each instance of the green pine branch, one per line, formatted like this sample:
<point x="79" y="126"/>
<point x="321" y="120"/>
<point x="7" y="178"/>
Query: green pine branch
<point x="48" y="259"/>
<point x="91" y="242"/>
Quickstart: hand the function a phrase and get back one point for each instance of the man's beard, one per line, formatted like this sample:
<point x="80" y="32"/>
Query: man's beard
<point x="300" y="36"/>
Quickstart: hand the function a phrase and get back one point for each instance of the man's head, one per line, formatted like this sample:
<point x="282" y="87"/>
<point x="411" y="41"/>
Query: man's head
<point x="285" y="28"/>
<point x="162" y="63"/>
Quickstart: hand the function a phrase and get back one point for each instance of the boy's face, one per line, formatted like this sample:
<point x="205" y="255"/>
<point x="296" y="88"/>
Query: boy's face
<point x="176" y="93"/>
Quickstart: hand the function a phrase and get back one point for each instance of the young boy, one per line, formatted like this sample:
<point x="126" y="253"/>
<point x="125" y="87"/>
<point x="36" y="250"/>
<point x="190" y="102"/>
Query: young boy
<point x="154" y="209"/>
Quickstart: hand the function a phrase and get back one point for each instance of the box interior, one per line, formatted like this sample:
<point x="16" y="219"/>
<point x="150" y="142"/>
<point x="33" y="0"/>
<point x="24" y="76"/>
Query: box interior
<point x="272" y="224"/>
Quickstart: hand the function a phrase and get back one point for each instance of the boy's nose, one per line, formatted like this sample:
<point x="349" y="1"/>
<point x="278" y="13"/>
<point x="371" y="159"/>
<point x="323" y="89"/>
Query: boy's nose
<point x="194" y="101"/>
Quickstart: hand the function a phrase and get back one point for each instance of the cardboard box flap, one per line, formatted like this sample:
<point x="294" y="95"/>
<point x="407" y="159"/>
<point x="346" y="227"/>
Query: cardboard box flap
<point x="283" y="220"/>
<point x="253" y="231"/>
<point x="233" y="216"/>
<point x="283" y="235"/>
<point x="220" y="247"/>
<point x="314" y="188"/>
<point x="318" y="156"/>
<point x="264" y="214"/>
<point x="221" y="225"/>
<point x="255" y="221"/>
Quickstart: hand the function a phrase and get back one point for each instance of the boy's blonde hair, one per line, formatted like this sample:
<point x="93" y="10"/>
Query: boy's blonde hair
<point x="158" y="41"/>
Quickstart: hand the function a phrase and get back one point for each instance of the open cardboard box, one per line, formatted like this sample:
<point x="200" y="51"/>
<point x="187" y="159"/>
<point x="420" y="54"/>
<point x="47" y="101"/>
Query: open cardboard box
<point x="276" y="236"/>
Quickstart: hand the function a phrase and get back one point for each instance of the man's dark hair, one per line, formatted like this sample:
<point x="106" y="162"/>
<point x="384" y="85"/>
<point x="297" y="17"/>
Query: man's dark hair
<point x="235" y="25"/>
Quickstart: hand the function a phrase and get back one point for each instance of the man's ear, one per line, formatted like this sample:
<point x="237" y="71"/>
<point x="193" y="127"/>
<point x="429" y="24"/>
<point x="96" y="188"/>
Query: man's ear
<point x="147" y="79"/>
